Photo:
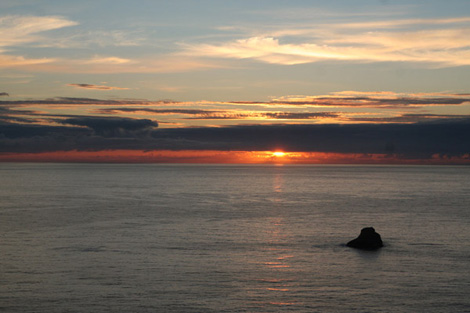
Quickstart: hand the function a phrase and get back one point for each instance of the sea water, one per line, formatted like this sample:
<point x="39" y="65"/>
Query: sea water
<point x="232" y="238"/>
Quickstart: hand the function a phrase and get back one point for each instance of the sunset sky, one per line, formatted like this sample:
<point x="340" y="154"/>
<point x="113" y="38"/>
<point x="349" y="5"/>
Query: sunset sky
<point x="235" y="81"/>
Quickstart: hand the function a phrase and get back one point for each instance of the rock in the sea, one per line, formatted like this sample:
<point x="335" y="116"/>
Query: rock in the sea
<point x="367" y="240"/>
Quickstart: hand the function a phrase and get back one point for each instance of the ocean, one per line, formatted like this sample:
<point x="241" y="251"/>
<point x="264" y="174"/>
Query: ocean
<point x="232" y="238"/>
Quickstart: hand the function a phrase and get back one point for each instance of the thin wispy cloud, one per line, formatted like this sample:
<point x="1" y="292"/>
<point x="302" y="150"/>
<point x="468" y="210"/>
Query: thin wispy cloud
<point x="390" y="24"/>
<point x="21" y="30"/>
<point x="18" y="30"/>
<point x="430" y="42"/>
<point x="158" y="111"/>
<point x="341" y="99"/>
<point x="445" y="44"/>
<point x="410" y="118"/>
<point x="379" y="99"/>
<point x="108" y="60"/>
<point x="96" y="87"/>
<point x="114" y="64"/>
<point x="265" y="116"/>
<point x="77" y="101"/>
<point x="97" y="38"/>
<point x="223" y="115"/>
<point x="8" y="61"/>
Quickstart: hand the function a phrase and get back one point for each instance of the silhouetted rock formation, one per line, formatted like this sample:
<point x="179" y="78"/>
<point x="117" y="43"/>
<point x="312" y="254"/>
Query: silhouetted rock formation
<point x="367" y="240"/>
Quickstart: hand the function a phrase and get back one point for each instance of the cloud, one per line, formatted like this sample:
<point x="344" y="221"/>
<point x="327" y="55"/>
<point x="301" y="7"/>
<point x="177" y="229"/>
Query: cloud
<point x="373" y="100"/>
<point x="11" y="115"/>
<point x="222" y="115"/>
<point x="4" y="94"/>
<point x="443" y="43"/>
<point x="368" y="48"/>
<point x="415" y="140"/>
<point x="264" y="115"/>
<point x="96" y="87"/>
<point x="352" y="99"/>
<point x="112" y="126"/>
<point x="113" y="64"/>
<point x="340" y="107"/>
<point x="20" y="30"/>
<point x="157" y="111"/>
<point x="266" y="49"/>
<point x="388" y="24"/>
<point x="19" y="61"/>
<point x="409" y="118"/>
<point x="17" y="30"/>
<point x="98" y="38"/>
<point x="108" y="60"/>
<point x="411" y="140"/>
<point x="82" y="101"/>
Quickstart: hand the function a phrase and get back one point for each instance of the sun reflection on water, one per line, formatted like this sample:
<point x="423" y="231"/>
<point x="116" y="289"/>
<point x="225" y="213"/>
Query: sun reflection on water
<point x="278" y="282"/>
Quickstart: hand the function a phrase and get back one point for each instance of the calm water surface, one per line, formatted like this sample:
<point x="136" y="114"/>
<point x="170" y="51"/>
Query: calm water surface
<point x="211" y="238"/>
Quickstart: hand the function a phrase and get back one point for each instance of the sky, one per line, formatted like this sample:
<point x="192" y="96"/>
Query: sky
<point x="265" y="81"/>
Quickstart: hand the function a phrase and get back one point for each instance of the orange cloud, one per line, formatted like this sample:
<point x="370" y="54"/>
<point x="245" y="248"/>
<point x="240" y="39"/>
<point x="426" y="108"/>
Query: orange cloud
<point x="200" y="114"/>
<point x="108" y="60"/>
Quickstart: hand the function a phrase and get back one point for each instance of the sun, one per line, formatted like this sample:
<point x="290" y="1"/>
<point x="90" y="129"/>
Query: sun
<point x="279" y="154"/>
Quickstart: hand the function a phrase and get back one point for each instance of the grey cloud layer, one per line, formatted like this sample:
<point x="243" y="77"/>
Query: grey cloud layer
<point x="418" y="140"/>
<point x="329" y="101"/>
<point x="221" y="115"/>
<point x="379" y="102"/>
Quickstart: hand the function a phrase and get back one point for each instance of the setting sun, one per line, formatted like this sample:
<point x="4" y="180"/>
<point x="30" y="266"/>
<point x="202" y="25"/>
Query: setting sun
<point x="279" y="154"/>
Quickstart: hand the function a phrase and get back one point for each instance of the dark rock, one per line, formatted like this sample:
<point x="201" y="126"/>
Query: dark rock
<point x="367" y="240"/>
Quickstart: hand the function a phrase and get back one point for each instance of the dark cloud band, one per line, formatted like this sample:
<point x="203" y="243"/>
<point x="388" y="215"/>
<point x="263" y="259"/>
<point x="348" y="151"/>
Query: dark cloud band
<point x="416" y="140"/>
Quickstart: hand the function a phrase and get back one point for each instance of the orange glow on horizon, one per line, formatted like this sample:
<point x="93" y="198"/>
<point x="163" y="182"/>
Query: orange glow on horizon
<point x="222" y="157"/>
<point x="279" y="154"/>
